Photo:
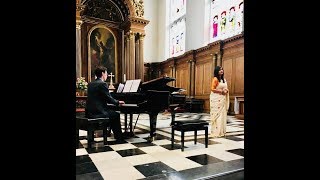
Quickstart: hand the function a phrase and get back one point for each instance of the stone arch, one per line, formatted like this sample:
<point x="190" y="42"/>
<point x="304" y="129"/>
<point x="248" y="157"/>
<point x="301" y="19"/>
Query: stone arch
<point x="128" y="4"/>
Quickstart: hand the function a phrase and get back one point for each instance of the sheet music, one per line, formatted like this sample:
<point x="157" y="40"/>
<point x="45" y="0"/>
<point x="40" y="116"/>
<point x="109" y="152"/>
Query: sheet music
<point x="120" y="88"/>
<point x="135" y="85"/>
<point x="127" y="86"/>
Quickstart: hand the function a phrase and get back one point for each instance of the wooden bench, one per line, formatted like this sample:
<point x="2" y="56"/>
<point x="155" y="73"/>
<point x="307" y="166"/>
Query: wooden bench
<point x="91" y="125"/>
<point x="189" y="125"/>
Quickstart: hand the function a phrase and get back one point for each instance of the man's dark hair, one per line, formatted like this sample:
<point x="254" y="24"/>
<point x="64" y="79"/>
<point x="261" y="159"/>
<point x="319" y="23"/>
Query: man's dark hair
<point x="98" y="71"/>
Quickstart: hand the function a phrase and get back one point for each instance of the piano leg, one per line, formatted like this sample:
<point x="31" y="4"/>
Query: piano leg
<point x="77" y="137"/>
<point x="126" y="133"/>
<point x="90" y="137"/>
<point x="153" y="125"/>
<point x="125" y="123"/>
<point x="173" y="113"/>
<point x="77" y="133"/>
<point x="130" y="124"/>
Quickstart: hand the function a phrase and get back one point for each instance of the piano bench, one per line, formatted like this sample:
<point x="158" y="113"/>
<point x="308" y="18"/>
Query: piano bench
<point x="189" y="125"/>
<point x="90" y="125"/>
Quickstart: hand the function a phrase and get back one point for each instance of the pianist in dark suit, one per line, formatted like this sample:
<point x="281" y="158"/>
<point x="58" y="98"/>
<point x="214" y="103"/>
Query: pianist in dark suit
<point x="98" y="97"/>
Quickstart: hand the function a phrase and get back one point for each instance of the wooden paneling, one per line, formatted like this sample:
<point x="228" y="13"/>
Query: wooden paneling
<point x="167" y="72"/>
<point x="232" y="51"/>
<point x="228" y="70"/>
<point x="203" y="82"/>
<point x="203" y="78"/>
<point x="239" y="77"/>
<point x="199" y="79"/>
<point x="233" y="63"/>
<point x="207" y="78"/>
<point x="183" y="76"/>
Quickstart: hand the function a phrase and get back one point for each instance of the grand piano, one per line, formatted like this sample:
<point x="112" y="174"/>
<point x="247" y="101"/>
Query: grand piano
<point x="152" y="97"/>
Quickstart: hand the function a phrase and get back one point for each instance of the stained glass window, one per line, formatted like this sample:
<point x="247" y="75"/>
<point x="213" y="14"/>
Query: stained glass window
<point x="226" y="19"/>
<point x="177" y="27"/>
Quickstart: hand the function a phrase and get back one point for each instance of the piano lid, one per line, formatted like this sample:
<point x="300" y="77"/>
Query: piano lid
<point x="159" y="84"/>
<point x="158" y="81"/>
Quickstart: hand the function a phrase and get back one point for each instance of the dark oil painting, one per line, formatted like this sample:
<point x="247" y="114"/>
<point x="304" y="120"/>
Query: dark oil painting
<point x="102" y="50"/>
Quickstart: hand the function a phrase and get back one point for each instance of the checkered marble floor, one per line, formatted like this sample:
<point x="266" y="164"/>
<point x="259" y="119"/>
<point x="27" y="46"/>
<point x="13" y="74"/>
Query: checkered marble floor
<point x="138" y="159"/>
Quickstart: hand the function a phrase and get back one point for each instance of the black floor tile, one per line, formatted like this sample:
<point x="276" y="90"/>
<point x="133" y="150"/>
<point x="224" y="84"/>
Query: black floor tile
<point x="130" y="152"/>
<point x="175" y="146"/>
<point x="98" y="149"/>
<point x="142" y="131"/>
<point x="232" y="176"/>
<point x="115" y="142"/>
<point x="203" y="172"/>
<point x="152" y="169"/>
<point x="234" y="138"/>
<point x="159" y="137"/>
<point x="204" y="159"/>
<point x="157" y="177"/>
<point x="128" y="134"/>
<point x="83" y="159"/>
<point x="89" y="176"/>
<point x="143" y="144"/>
<point x="84" y="168"/>
<point x="80" y="145"/>
<point x="239" y="152"/>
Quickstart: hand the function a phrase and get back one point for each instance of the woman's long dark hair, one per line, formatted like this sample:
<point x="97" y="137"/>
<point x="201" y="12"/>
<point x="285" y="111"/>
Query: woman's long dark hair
<point x="216" y="73"/>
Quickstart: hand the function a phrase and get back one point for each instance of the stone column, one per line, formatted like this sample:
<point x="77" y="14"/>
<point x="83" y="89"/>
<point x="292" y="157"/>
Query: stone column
<point x="123" y="64"/>
<point x="132" y="65"/>
<point x="127" y="48"/>
<point x="141" y="57"/>
<point x="137" y="62"/>
<point x="78" y="48"/>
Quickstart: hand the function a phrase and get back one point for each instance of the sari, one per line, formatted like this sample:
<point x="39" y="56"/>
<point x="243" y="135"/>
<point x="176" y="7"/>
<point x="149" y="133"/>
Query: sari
<point x="219" y="105"/>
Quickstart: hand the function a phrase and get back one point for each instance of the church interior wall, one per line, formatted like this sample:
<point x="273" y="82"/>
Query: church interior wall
<point x="231" y="51"/>
<point x="193" y="70"/>
<point x="152" y="31"/>
<point x="195" y="23"/>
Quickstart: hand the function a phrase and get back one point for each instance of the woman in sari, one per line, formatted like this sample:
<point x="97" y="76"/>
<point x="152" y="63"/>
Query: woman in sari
<point x="219" y="103"/>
